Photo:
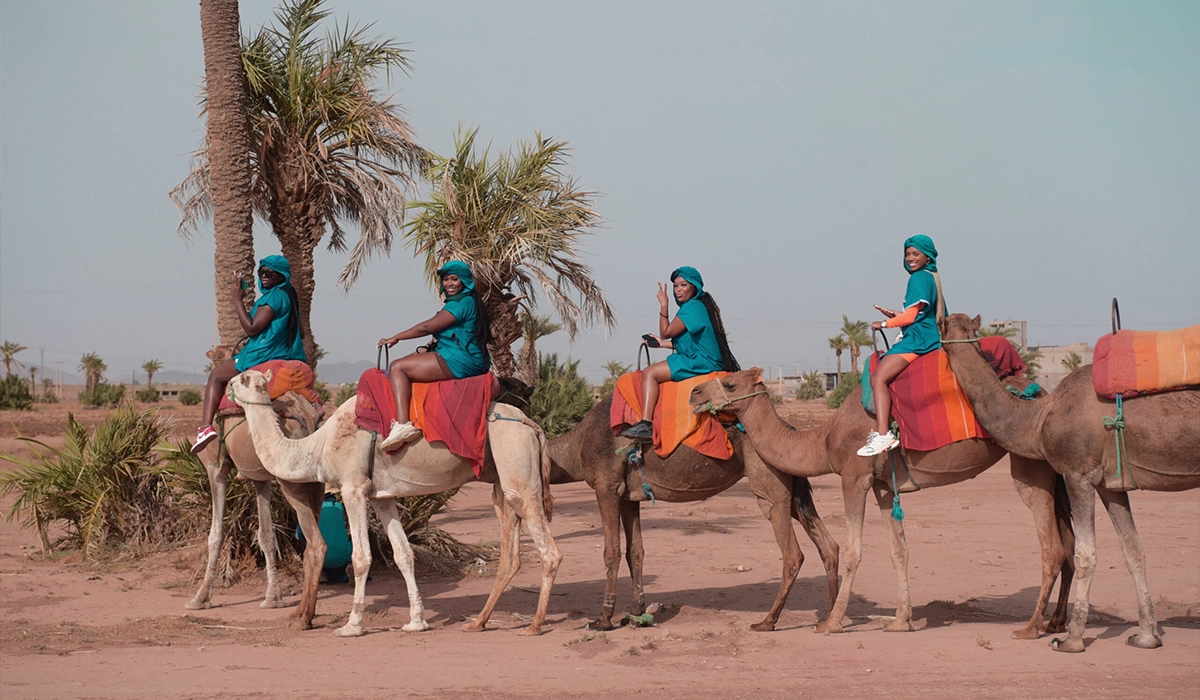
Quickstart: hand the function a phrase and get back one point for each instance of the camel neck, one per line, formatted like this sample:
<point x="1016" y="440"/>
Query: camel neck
<point x="1011" y="421"/>
<point x="782" y="446"/>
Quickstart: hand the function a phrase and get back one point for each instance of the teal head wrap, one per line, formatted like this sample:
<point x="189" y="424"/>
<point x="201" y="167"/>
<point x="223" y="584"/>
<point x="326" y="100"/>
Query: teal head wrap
<point x="279" y="264"/>
<point x="692" y="276"/>
<point x="461" y="270"/>
<point x="925" y="245"/>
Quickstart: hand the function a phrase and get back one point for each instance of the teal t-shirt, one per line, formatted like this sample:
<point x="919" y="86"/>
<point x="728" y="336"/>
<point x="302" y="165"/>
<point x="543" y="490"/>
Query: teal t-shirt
<point x="922" y="335"/>
<point x="696" y="350"/>
<point x="457" y="344"/>
<point x="273" y="343"/>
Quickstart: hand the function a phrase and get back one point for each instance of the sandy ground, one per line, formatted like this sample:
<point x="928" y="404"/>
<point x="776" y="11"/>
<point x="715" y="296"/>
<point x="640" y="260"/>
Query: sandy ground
<point x="121" y="631"/>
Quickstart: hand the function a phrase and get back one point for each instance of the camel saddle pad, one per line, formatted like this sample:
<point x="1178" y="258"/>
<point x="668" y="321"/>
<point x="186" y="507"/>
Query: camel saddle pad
<point x="674" y="422"/>
<point x="286" y="375"/>
<point x="453" y="412"/>
<point x="1129" y="363"/>
<point x="929" y="404"/>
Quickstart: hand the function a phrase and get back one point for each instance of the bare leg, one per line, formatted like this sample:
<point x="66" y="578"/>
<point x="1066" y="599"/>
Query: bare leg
<point x="423" y="367"/>
<point x="652" y="376"/>
<point x="218" y="378"/>
<point x="885" y="372"/>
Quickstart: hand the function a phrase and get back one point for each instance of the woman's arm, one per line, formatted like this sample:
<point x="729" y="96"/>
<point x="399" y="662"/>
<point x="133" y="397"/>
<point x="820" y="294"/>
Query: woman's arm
<point x="262" y="318"/>
<point x="902" y="319"/>
<point x="439" y="322"/>
<point x="667" y="328"/>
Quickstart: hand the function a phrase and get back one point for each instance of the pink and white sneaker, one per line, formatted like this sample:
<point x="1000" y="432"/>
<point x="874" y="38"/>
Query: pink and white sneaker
<point x="205" y="436"/>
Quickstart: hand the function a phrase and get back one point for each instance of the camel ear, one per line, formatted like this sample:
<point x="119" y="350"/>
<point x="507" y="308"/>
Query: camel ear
<point x="975" y="322"/>
<point x="756" y="372"/>
<point x="267" y="374"/>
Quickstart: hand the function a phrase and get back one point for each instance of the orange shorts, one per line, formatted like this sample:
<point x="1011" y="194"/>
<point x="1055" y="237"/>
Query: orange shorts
<point x="908" y="356"/>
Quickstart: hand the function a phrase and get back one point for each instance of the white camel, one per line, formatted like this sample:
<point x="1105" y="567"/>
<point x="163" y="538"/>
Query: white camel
<point x="338" y="455"/>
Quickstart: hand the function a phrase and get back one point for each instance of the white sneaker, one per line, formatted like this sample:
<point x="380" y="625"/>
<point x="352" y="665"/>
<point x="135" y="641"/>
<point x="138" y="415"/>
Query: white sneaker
<point x="877" y="444"/>
<point x="400" y="434"/>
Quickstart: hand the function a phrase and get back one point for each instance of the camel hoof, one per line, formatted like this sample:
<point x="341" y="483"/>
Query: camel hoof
<point x="1067" y="645"/>
<point x="198" y="604"/>
<point x="349" y="631"/>
<point x="530" y="631"/>
<point x="1027" y="633"/>
<point x="299" y="623"/>
<point x="898" y="626"/>
<point x="601" y="625"/>
<point x="1144" y="641"/>
<point x="829" y="627"/>
<point x="1055" y="628"/>
<point x="764" y="626"/>
<point x="416" y="626"/>
<point x="273" y="603"/>
<point x="474" y="627"/>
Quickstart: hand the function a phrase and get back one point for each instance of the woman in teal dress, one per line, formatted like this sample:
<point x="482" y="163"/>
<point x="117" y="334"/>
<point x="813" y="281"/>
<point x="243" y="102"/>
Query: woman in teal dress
<point x="461" y="333"/>
<point x="696" y="335"/>
<point x="274" y="331"/>
<point x="923" y="305"/>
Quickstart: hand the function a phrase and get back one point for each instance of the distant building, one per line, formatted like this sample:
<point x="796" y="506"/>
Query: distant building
<point x="1052" y="370"/>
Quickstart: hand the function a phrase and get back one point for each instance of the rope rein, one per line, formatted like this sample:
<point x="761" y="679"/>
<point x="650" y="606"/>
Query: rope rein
<point x="1117" y="423"/>
<point x="726" y="400"/>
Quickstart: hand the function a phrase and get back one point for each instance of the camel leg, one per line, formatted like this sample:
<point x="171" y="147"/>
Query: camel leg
<point x="1117" y="505"/>
<point x="608" y="498"/>
<point x="635" y="553"/>
<point x="854" y="495"/>
<point x="355" y="500"/>
<point x="390" y="517"/>
<point x="1083" y="517"/>
<point x="899" y="546"/>
<point x="218" y="483"/>
<point x="529" y="507"/>
<point x="267" y="545"/>
<point x="1034" y="482"/>
<point x="774" y="494"/>
<point x="804" y="510"/>
<point x="510" y="557"/>
<point x="1062" y="511"/>
<point x="306" y="499"/>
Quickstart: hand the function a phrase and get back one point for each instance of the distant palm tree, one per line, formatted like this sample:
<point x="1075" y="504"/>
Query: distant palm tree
<point x="615" y="370"/>
<point x="535" y="327"/>
<point x="9" y="350"/>
<point x="93" y="369"/>
<point x="150" y="367"/>
<point x="839" y="344"/>
<point x="47" y="385"/>
<point x="812" y="386"/>
<point x="1072" y="362"/>
<point x="325" y="147"/>
<point x="33" y="379"/>
<point x="858" y="335"/>
<point x="517" y="221"/>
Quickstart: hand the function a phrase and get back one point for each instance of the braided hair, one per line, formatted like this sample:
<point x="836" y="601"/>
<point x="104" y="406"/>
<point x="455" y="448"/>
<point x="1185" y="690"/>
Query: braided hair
<point x="729" y="363"/>
<point x="483" y="325"/>
<point x="293" y="325"/>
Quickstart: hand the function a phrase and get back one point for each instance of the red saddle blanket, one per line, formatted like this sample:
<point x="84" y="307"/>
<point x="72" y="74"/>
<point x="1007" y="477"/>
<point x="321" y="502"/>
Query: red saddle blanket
<point x="286" y="375"/>
<point x="1128" y="363"/>
<point x="930" y="406"/>
<point x="452" y="412"/>
<point x="674" y="422"/>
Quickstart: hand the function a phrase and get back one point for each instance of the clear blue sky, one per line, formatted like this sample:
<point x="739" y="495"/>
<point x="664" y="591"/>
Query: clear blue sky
<point x="785" y="149"/>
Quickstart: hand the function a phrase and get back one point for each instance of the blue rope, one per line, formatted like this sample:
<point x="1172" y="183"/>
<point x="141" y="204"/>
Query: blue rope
<point x="1029" y="394"/>
<point x="897" y="511"/>
<point x="633" y="454"/>
<point x="1117" y="423"/>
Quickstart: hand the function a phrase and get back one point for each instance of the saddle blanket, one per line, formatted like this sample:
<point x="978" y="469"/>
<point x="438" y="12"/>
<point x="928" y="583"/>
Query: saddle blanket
<point x="286" y="375"/>
<point x="1129" y="363"/>
<point x="674" y="422"/>
<point x="929" y="404"/>
<point x="453" y="412"/>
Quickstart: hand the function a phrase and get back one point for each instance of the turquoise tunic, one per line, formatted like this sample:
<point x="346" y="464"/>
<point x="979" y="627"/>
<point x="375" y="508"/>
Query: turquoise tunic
<point x="920" y="337"/>
<point x="272" y="343"/>
<point x="696" y="350"/>
<point x="457" y="344"/>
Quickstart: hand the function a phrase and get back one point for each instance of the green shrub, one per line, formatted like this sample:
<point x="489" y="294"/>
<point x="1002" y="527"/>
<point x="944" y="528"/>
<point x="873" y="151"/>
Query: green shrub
<point x="103" y="396"/>
<point x="147" y="395"/>
<point x="812" y="386"/>
<point x="190" y="397"/>
<point x="561" y="397"/>
<point x="322" y="392"/>
<point x="14" y="393"/>
<point x="615" y="370"/>
<point x="48" y="397"/>
<point x="346" y="393"/>
<point x="850" y="382"/>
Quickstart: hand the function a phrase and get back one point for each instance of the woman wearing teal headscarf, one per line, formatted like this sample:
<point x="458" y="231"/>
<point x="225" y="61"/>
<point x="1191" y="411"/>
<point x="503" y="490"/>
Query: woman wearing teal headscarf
<point x="274" y="331"/>
<point x="461" y="333"/>
<point x="696" y="335"/>
<point x="923" y="306"/>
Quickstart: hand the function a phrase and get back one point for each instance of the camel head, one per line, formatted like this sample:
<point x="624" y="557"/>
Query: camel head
<point x="249" y="387"/>
<point x="724" y="395"/>
<point x="219" y="354"/>
<point x="958" y="327"/>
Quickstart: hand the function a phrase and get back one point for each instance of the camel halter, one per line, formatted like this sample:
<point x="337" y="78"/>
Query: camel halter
<point x="727" y="401"/>
<point x="233" y="395"/>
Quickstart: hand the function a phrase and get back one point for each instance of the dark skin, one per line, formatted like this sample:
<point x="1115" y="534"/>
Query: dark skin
<point x="219" y="377"/>
<point x="660" y="372"/>
<point x="420" y="366"/>
<point x="891" y="365"/>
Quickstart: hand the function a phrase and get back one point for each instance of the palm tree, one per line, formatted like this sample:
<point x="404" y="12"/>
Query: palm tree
<point x="325" y="147"/>
<point x="150" y="367"/>
<point x="9" y="350"/>
<point x="1072" y="362"/>
<point x="518" y="221"/>
<point x="858" y="335"/>
<point x="839" y="344"/>
<point x="615" y="370"/>
<point x="534" y="327"/>
<point x="47" y="385"/>
<point x="33" y="379"/>
<point x="93" y="369"/>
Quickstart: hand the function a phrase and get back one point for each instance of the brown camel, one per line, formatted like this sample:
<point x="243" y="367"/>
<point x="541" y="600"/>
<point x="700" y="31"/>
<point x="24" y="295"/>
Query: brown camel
<point x="1161" y="452"/>
<point x="236" y="449"/>
<point x="589" y="453"/>
<point x="830" y="448"/>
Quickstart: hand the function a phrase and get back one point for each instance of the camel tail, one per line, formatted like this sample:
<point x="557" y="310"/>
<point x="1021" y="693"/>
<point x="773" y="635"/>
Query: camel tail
<point x="1062" y="511"/>
<point x="547" y="465"/>
<point x="803" y="507"/>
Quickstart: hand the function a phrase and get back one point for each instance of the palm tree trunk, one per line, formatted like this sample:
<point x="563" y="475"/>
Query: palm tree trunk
<point x="503" y="311"/>
<point x="299" y="228"/>
<point x="228" y="157"/>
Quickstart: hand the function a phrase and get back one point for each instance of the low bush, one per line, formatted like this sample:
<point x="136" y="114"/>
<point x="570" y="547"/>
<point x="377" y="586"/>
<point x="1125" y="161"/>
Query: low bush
<point x="103" y="396"/>
<point x="147" y="395"/>
<point x="323" y="392"/>
<point x="561" y="397"/>
<point x="812" y="386"/>
<point x="849" y="382"/>
<point x="14" y="393"/>
<point x="190" y="397"/>
<point x="346" y="393"/>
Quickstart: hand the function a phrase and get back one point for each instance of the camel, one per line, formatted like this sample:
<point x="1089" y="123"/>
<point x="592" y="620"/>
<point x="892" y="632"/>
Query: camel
<point x="339" y="455"/>
<point x="589" y="453"/>
<point x="830" y="448"/>
<point x="237" y="449"/>
<point x="1161" y="452"/>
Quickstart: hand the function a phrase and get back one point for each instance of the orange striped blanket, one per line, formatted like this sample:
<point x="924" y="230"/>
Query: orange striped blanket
<point x="674" y="422"/>
<point x="1128" y="363"/>
<point x="286" y="375"/>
